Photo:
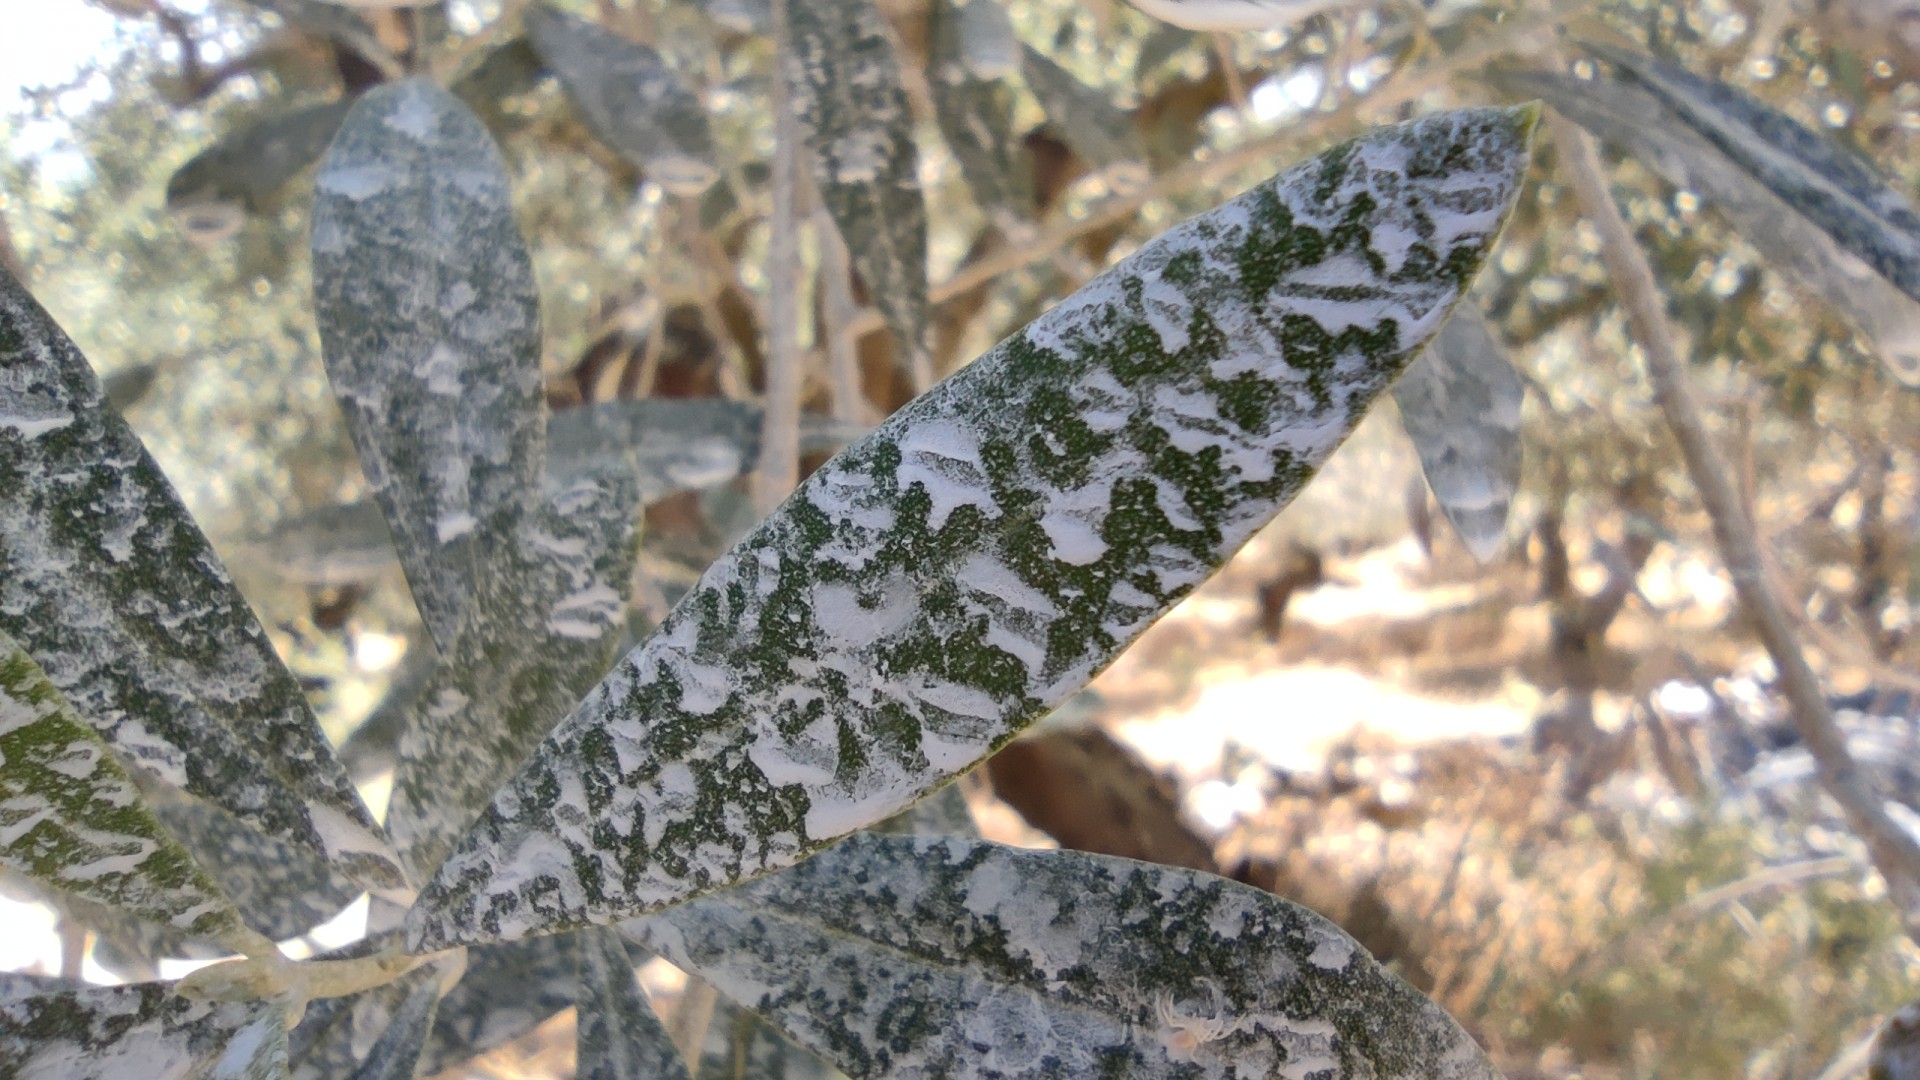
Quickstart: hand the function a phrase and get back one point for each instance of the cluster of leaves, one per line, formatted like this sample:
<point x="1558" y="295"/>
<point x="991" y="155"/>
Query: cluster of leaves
<point x="943" y="582"/>
<point x="927" y="594"/>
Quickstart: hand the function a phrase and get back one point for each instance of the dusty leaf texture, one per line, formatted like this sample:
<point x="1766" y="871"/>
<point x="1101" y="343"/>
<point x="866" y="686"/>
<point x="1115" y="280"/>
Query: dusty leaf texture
<point x="945" y="581"/>
<point x="666" y="446"/>
<point x="1460" y="403"/>
<point x="50" y="1030"/>
<point x="108" y="584"/>
<point x="507" y="991"/>
<point x="71" y="816"/>
<point x="430" y="324"/>
<point x="1835" y="189"/>
<point x="845" y="83"/>
<point x="958" y="959"/>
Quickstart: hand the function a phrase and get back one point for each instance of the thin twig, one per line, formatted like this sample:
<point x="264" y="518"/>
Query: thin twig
<point x="1657" y="929"/>
<point x="736" y="380"/>
<point x="779" y="468"/>
<point x="849" y="402"/>
<point x="1895" y="852"/>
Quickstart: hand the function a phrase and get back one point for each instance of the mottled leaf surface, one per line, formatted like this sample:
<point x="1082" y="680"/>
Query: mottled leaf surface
<point x="975" y="110"/>
<point x="620" y="1037"/>
<point x="70" y="815"/>
<point x="545" y="625"/>
<point x="430" y="323"/>
<point x="142" y="1031"/>
<point x="854" y="118"/>
<point x="629" y="98"/>
<point x="1635" y="120"/>
<point x="665" y="446"/>
<point x="1864" y="211"/>
<point x="954" y="958"/>
<point x="1086" y="118"/>
<point x="946" y="580"/>
<point x="1460" y="403"/>
<point x="108" y="585"/>
<point x="374" y="746"/>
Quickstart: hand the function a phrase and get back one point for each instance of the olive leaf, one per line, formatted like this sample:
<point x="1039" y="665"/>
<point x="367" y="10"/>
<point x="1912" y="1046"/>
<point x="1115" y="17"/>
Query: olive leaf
<point x="975" y="111"/>
<point x="125" y="945"/>
<point x="507" y="991"/>
<point x="1635" y="120"/>
<point x="741" y="1046"/>
<point x="943" y="813"/>
<point x="948" y="579"/>
<point x="342" y="544"/>
<point x="1086" y="119"/>
<point x="853" y="114"/>
<point x="108" y="585"/>
<point x="238" y="175"/>
<point x="741" y="16"/>
<point x="327" y="20"/>
<point x="629" y="98"/>
<point x="338" y="1032"/>
<point x="620" y="1037"/>
<point x="671" y="445"/>
<point x="70" y="816"/>
<point x="430" y="324"/>
<point x="987" y="42"/>
<point x="497" y="76"/>
<point x="545" y="624"/>
<point x="665" y="446"/>
<point x="1460" y="403"/>
<point x="1865" y="212"/>
<point x="958" y="958"/>
<point x="396" y="1054"/>
<point x="51" y="1030"/>
<point x="282" y="891"/>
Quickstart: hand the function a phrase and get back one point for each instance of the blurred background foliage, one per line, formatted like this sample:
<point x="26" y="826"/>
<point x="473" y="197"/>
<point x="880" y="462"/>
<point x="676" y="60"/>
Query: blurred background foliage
<point x="1563" y="919"/>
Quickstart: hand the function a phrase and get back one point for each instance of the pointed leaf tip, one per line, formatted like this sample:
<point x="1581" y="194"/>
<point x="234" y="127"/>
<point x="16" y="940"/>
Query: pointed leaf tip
<point x="1053" y="963"/>
<point x="954" y="575"/>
